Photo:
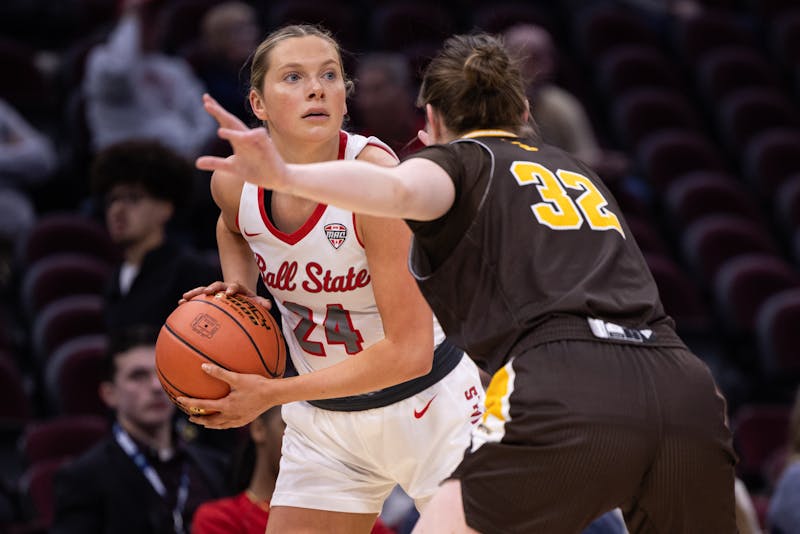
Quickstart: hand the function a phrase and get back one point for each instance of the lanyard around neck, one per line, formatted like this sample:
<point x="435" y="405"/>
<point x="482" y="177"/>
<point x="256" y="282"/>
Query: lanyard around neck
<point x="149" y="472"/>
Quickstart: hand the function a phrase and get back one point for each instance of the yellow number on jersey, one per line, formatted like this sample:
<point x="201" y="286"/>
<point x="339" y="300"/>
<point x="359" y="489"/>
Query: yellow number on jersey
<point x="558" y="211"/>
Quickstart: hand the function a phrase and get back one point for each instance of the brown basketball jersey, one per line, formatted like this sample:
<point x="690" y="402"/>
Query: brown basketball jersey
<point x="533" y="234"/>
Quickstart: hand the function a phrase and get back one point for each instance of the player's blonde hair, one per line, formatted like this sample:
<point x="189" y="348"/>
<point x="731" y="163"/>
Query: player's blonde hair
<point x="260" y="61"/>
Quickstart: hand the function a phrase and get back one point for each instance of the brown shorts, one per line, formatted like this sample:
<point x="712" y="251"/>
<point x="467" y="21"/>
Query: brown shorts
<point x="576" y="428"/>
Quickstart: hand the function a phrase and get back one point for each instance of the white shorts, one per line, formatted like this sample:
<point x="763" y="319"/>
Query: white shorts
<point x="350" y="461"/>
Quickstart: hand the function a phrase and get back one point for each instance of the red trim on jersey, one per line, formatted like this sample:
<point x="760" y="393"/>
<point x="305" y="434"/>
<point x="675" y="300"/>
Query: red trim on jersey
<point x="298" y="234"/>
<point x="342" y="143"/>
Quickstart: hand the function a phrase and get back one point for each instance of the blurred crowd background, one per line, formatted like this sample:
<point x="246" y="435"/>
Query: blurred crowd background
<point x="689" y="110"/>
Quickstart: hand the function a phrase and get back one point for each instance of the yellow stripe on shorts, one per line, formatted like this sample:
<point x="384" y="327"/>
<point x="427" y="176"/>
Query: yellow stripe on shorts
<point x="496" y="415"/>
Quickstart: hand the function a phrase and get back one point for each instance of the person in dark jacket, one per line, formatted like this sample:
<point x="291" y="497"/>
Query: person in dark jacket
<point x="141" y="185"/>
<point x="143" y="478"/>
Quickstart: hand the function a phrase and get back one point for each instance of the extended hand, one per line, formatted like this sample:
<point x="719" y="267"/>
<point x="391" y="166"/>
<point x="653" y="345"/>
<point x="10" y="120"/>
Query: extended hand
<point x="245" y="402"/>
<point x="231" y="288"/>
<point x="255" y="159"/>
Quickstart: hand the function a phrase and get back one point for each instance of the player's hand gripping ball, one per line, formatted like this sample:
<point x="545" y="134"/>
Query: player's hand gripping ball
<point x="233" y="332"/>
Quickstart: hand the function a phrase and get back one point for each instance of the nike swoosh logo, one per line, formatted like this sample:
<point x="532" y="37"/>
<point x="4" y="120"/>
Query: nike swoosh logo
<point x="420" y="413"/>
<point x="248" y="234"/>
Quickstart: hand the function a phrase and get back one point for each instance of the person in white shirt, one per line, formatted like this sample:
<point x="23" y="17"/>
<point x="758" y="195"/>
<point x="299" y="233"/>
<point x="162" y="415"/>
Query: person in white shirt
<point x="135" y="91"/>
<point x="27" y="156"/>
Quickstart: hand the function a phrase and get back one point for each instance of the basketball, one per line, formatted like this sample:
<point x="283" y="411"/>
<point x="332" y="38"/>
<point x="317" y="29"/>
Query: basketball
<point x="233" y="332"/>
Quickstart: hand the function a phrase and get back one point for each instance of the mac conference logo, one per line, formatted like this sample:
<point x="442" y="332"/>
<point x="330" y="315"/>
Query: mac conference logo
<point x="336" y="234"/>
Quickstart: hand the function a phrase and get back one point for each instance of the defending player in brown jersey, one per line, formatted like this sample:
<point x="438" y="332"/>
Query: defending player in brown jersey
<point x="525" y="257"/>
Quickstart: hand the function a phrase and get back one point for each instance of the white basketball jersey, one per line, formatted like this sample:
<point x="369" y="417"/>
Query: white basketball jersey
<point x="318" y="275"/>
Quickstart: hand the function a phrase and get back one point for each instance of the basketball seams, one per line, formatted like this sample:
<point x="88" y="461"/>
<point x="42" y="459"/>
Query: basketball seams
<point x="179" y="343"/>
<point x="170" y="386"/>
<point x="198" y="351"/>
<point x="243" y="329"/>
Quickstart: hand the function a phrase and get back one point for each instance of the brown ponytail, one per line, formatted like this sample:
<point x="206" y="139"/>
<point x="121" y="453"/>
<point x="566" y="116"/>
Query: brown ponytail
<point x="474" y="84"/>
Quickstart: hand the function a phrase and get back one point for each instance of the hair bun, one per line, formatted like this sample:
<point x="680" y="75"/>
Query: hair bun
<point x="486" y="67"/>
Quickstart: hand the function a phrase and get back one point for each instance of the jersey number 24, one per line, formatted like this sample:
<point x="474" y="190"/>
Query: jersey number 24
<point x="338" y="327"/>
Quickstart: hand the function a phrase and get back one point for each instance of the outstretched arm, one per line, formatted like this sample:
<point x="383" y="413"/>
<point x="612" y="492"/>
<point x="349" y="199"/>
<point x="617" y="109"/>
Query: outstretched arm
<point x="417" y="189"/>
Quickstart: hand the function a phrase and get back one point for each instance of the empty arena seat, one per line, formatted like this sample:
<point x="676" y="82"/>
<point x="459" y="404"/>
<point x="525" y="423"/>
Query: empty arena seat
<point x="712" y="240"/>
<point x="770" y="158"/>
<point x="778" y="335"/>
<point x="639" y="113"/>
<point x="634" y="67"/>
<point x="787" y="204"/>
<point x="59" y="232"/>
<point x="681" y="297"/>
<point x="710" y="30"/>
<point x="62" y="436"/>
<point x="744" y="283"/>
<point x="724" y="70"/>
<point x="664" y="156"/>
<point x="73" y="374"/>
<point x="602" y="27"/>
<point x="60" y="275"/>
<point x="745" y="113"/>
<point x="65" y="319"/>
<point x="700" y="193"/>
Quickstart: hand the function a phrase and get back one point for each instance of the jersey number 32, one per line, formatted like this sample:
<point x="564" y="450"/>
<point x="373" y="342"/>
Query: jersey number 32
<point x="558" y="210"/>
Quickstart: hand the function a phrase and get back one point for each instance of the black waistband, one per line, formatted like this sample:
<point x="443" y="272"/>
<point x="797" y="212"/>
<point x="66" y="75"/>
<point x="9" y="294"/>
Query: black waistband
<point x="575" y="328"/>
<point x="445" y="358"/>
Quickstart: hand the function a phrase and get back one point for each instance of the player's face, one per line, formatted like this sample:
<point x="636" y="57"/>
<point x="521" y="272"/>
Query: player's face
<point x="303" y="97"/>
<point x="135" y="392"/>
<point x="132" y="215"/>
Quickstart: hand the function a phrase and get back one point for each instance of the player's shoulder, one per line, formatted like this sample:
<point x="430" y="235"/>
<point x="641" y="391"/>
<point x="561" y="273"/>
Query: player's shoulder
<point x="377" y="154"/>
<point x="366" y="148"/>
<point x="226" y="188"/>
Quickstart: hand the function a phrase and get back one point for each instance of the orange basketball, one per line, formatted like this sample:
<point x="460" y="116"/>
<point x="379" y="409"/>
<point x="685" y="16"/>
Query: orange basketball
<point x="233" y="332"/>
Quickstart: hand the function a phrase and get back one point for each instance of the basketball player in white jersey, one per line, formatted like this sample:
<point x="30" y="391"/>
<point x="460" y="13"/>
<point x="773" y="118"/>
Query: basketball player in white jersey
<point x="381" y="397"/>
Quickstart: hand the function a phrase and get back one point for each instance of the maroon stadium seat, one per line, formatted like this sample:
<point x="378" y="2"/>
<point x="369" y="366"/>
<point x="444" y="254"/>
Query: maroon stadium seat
<point x="62" y="436"/>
